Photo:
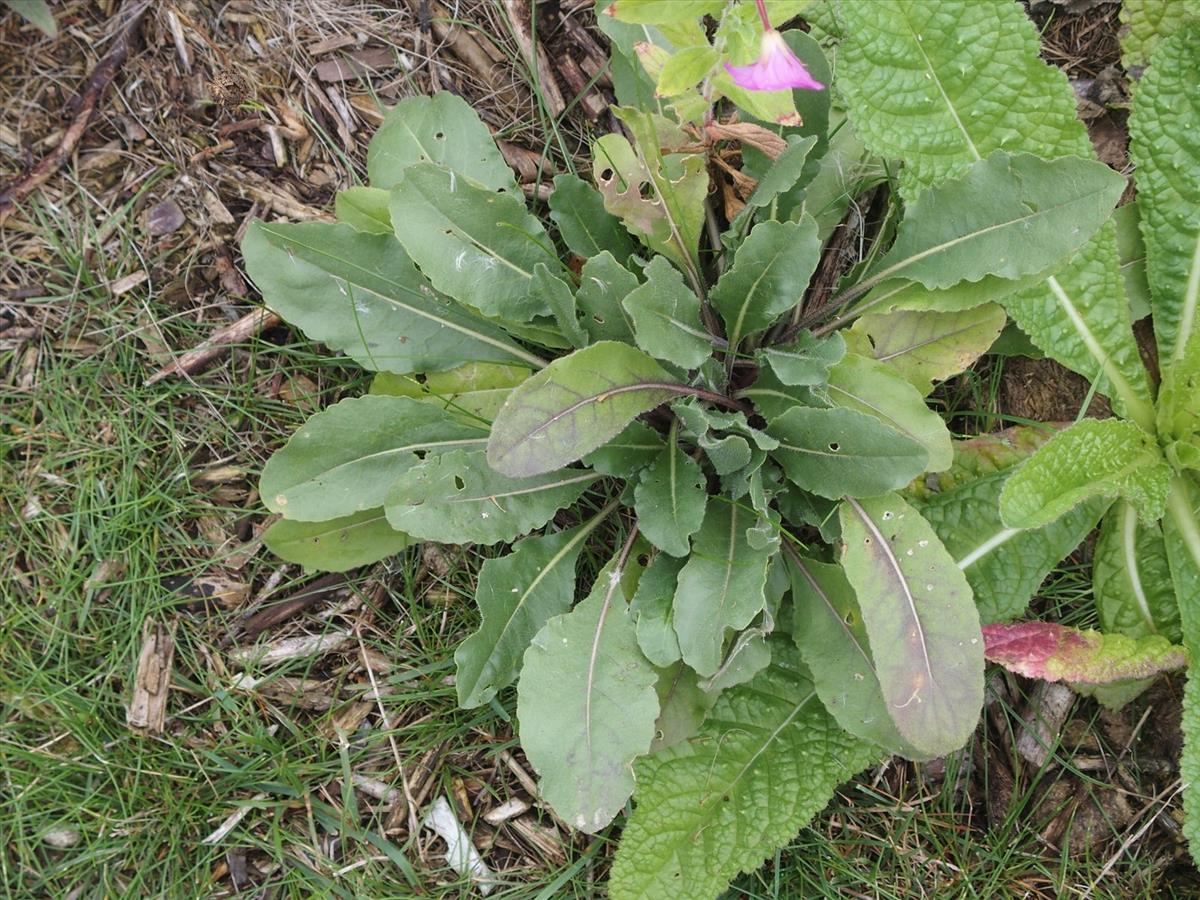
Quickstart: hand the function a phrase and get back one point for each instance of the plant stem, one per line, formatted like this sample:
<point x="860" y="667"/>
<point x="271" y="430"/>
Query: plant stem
<point x="762" y="14"/>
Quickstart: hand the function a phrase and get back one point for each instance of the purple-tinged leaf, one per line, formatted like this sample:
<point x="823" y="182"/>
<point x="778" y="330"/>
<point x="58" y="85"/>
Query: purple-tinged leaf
<point x="1058" y="653"/>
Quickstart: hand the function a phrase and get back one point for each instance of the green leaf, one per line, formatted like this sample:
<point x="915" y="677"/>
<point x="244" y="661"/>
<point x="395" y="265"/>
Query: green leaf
<point x="1131" y="578"/>
<point x="835" y="452"/>
<point x="666" y="317"/>
<point x="603" y="284"/>
<point x="766" y="760"/>
<point x="659" y="197"/>
<point x="720" y="587"/>
<point x="628" y="453"/>
<point x="1054" y="652"/>
<point x="336" y="545"/>
<point x="669" y="500"/>
<point x="364" y="209"/>
<point x="685" y="69"/>
<point x="516" y="595"/>
<point x="1146" y="22"/>
<point x="587" y="706"/>
<point x="832" y="638"/>
<point x="1178" y="409"/>
<point x="785" y="171"/>
<point x="556" y="294"/>
<point x="1094" y="458"/>
<point x="361" y="295"/>
<point x="343" y="459"/>
<point x="920" y="620"/>
<point x="441" y="129"/>
<point x="926" y="347"/>
<point x="37" y="13"/>
<point x="1164" y="133"/>
<point x="896" y="293"/>
<point x="653" y="608"/>
<point x="943" y="85"/>
<point x="661" y="12"/>
<point x="769" y="276"/>
<point x="574" y="405"/>
<point x="456" y="498"/>
<point x="872" y="387"/>
<point x="475" y="244"/>
<point x="1132" y="252"/>
<point x="474" y="391"/>
<point x="807" y="361"/>
<point x="1007" y="215"/>
<point x="682" y="706"/>
<point x="587" y="228"/>
<point x="1004" y="566"/>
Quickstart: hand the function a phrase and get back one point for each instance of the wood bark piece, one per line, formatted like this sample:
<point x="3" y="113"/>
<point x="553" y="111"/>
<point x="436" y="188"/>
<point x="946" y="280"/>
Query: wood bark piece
<point x="88" y="102"/>
<point x="1048" y="709"/>
<point x="520" y="14"/>
<point x="476" y="52"/>
<point x="147" y="711"/>
<point x="204" y="353"/>
<point x="593" y="105"/>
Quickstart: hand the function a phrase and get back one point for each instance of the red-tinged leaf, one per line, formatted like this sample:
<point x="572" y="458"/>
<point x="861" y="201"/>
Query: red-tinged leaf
<point x="1057" y="653"/>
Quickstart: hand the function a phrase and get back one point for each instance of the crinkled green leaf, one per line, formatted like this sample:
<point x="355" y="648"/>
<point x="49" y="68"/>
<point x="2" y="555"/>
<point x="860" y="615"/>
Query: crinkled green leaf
<point x="1131" y="578"/>
<point x="475" y="244"/>
<point x="338" y="544"/>
<point x="669" y="500"/>
<point x="942" y="86"/>
<point x="516" y="595"/>
<point x="719" y="588"/>
<point x="1164" y="133"/>
<point x="835" y="452"/>
<point x="653" y="608"/>
<point x="807" y="361"/>
<point x="1093" y="458"/>
<point x="1003" y="565"/>
<point x="1189" y="762"/>
<point x="666" y="317"/>
<point x="364" y="209"/>
<point x="1179" y="406"/>
<point x="769" y="276"/>
<point x="767" y="759"/>
<point x="1146" y="22"/>
<point x="575" y="405"/>
<point x="587" y="228"/>
<point x="603" y="284"/>
<point x="920" y="620"/>
<point x="587" y="706"/>
<point x="343" y="459"/>
<point x="361" y="295"/>
<point x="1054" y="652"/>
<point x="927" y="347"/>
<point x="441" y="129"/>
<point x="457" y="498"/>
<point x="870" y="386"/>
<point x="829" y="631"/>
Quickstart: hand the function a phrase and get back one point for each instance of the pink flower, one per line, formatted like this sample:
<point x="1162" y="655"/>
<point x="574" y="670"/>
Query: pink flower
<point x="776" y="69"/>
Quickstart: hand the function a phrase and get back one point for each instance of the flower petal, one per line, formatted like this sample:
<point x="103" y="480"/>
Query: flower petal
<point x="776" y="69"/>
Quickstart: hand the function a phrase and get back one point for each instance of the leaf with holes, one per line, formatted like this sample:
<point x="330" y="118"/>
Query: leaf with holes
<point x="342" y="460"/>
<point x="575" y="405"/>
<point x="456" y="498"/>
<point x="920" y="621"/>
<point x="516" y="595"/>
<point x="441" y="129"/>
<point x="834" y="452"/>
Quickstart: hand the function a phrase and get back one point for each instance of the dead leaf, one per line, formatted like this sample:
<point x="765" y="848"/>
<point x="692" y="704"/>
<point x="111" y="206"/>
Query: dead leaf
<point x="164" y="218"/>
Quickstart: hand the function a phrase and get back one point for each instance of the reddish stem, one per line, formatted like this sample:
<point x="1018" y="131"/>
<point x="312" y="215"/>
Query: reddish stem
<point x="762" y="14"/>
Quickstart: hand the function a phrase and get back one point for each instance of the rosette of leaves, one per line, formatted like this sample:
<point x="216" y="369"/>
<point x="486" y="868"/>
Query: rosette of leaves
<point x="1012" y="506"/>
<point x="637" y="380"/>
